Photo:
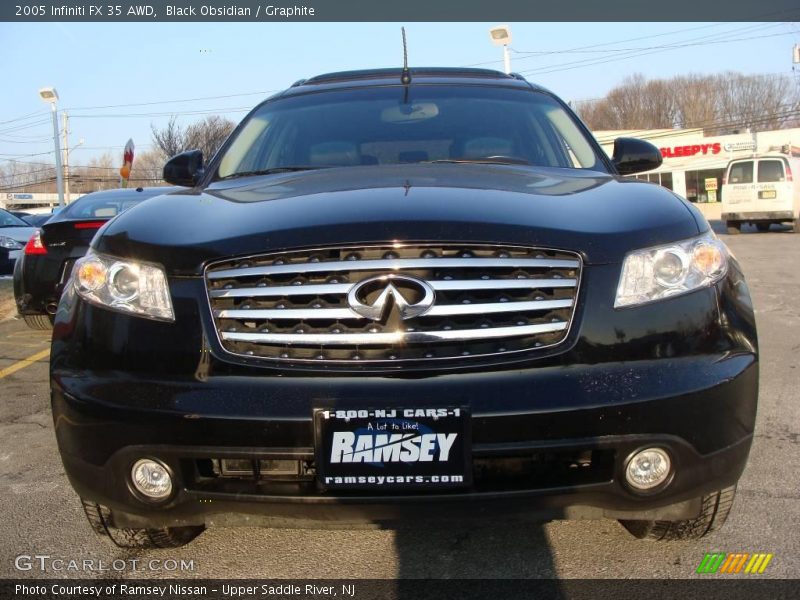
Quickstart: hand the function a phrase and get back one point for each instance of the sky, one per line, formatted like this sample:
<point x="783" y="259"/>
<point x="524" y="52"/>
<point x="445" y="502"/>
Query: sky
<point x="194" y="69"/>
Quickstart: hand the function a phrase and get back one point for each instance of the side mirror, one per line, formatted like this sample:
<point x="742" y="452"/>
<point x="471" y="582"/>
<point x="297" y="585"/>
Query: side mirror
<point x="185" y="168"/>
<point x="634" y="156"/>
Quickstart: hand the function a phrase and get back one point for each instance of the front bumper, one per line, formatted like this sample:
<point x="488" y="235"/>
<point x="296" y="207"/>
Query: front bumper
<point x="680" y="374"/>
<point x="104" y="426"/>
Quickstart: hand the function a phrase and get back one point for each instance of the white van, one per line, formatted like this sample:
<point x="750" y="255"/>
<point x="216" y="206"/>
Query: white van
<point x="761" y="190"/>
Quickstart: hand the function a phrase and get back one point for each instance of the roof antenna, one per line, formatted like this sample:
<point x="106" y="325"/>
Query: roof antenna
<point x="405" y="76"/>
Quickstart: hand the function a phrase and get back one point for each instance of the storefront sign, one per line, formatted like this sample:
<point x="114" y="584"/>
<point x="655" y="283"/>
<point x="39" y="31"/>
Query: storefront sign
<point x="694" y="149"/>
<point x="711" y="183"/>
<point x="740" y="146"/>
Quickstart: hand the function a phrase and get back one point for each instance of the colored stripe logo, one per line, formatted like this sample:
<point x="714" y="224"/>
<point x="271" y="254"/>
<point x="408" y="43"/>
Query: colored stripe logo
<point x="735" y="562"/>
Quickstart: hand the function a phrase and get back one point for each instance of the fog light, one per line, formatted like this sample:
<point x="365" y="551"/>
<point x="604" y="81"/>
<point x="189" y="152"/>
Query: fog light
<point x="648" y="469"/>
<point x="151" y="479"/>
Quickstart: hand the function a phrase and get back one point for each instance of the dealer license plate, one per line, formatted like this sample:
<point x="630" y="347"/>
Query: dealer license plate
<point x="393" y="449"/>
<point x="768" y="195"/>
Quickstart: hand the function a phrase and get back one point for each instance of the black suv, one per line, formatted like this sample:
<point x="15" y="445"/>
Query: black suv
<point x="388" y="299"/>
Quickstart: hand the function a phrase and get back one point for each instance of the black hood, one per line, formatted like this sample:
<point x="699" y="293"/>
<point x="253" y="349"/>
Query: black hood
<point x="599" y="215"/>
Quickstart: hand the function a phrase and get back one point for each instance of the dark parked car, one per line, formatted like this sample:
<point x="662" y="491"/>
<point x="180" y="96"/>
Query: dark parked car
<point x="390" y="300"/>
<point x="14" y="232"/>
<point x="52" y="250"/>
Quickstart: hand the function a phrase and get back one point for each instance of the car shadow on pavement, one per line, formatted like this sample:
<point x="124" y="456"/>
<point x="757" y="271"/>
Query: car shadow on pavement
<point x="473" y="551"/>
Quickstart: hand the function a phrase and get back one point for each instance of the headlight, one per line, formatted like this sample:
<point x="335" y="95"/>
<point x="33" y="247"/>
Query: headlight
<point x="663" y="271"/>
<point x="9" y="243"/>
<point x="124" y="285"/>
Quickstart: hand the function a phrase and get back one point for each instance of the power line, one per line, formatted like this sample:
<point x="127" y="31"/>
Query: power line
<point x="24" y="117"/>
<point x="24" y="162"/>
<point x="165" y="114"/>
<point x="23" y="127"/>
<point x="671" y="46"/>
<point x="158" y="102"/>
<point x="710" y="36"/>
<point x="24" y="137"/>
<point x="26" y="173"/>
<point x="27" y="155"/>
<point x="579" y="64"/>
<point x="492" y="62"/>
<point x="647" y="37"/>
<point x="138" y="147"/>
<point x="36" y="141"/>
<point x="86" y="180"/>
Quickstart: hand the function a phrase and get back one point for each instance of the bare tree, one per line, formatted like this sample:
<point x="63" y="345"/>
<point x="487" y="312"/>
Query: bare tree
<point x="170" y="138"/>
<point x="100" y="173"/>
<point x="634" y="104"/>
<point x="103" y="173"/>
<point x="148" y="168"/>
<point x="21" y="176"/>
<point x="718" y="104"/>
<point x="627" y="103"/>
<point x="660" y="106"/>
<point x="696" y="102"/>
<point x="757" y="102"/>
<point x="206" y="135"/>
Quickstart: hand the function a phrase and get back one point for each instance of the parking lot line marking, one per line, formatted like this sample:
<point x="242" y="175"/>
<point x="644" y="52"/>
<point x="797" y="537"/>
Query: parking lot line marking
<point x="25" y="362"/>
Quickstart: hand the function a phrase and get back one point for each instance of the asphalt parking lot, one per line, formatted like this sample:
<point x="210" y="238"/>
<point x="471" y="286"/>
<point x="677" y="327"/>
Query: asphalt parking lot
<point x="42" y="515"/>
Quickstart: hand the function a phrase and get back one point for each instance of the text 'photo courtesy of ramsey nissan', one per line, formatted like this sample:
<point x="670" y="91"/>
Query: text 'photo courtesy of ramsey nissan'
<point x="387" y="302"/>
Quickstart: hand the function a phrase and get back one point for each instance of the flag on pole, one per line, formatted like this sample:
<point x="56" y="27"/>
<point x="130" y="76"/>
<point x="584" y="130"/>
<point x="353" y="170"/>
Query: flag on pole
<point x="127" y="164"/>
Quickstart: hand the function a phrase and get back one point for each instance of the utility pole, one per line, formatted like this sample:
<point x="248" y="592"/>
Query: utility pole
<point x="50" y="95"/>
<point x="66" y="157"/>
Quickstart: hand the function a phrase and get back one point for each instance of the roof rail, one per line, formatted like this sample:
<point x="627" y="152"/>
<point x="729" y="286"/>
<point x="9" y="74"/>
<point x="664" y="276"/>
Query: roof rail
<point x="415" y="72"/>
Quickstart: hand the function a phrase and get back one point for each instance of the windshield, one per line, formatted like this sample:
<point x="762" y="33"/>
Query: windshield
<point x="9" y="220"/>
<point x="102" y="206"/>
<point x="392" y="125"/>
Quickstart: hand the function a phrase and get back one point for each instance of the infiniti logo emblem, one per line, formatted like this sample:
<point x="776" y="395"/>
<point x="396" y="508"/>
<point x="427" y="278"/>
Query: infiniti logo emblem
<point x="373" y="297"/>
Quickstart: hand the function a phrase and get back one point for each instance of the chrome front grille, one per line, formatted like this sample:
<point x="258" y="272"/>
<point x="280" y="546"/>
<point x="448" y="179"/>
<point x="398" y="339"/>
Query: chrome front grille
<point x="478" y="300"/>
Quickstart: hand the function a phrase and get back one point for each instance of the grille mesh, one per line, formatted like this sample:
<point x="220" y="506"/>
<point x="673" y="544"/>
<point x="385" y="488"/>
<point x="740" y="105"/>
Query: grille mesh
<point x="489" y="300"/>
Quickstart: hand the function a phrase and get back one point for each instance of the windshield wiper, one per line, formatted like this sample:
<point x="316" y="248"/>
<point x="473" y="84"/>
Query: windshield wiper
<point x="485" y="160"/>
<point x="274" y="170"/>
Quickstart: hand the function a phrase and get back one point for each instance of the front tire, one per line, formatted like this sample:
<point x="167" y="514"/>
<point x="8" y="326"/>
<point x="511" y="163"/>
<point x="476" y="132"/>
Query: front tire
<point x="41" y="322"/>
<point x="734" y="227"/>
<point x="158" y="537"/>
<point x="714" y="513"/>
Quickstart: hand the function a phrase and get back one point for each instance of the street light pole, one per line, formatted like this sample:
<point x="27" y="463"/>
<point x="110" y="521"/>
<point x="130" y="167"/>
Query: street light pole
<point x="50" y="96"/>
<point x="501" y="36"/>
